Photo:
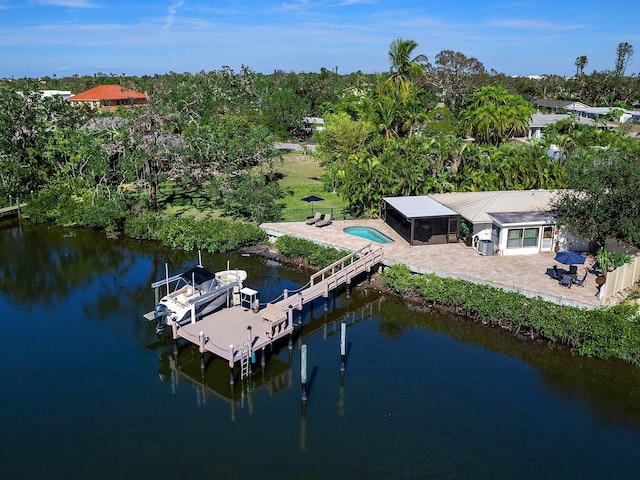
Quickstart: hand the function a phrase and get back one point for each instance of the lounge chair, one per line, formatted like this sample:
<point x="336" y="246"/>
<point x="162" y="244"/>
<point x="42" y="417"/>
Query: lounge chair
<point x="566" y="280"/>
<point x="580" y="281"/>
<point x="326" y="220"/>
<point x="314" y="219"/>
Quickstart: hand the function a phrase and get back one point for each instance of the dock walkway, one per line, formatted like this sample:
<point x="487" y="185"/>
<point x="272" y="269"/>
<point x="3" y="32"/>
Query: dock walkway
<point x="13" y="210"/>
<point x="235" y="333"/>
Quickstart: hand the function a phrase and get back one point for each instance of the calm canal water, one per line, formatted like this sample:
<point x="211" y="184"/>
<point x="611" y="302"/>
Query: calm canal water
<point x="89" y="391"/>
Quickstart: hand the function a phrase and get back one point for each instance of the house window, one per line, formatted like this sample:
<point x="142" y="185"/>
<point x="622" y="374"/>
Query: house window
<point x="522" y="237"/>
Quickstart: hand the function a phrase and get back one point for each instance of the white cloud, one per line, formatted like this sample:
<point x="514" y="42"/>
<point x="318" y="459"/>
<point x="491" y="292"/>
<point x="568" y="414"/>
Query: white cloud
<point x="173" y="9"/>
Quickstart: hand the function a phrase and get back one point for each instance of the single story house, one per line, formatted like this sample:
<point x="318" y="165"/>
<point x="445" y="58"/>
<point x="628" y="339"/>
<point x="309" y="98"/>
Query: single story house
<point x="540" y="120"/>
<point x="55" y="93"/>
<point x="556" y="105"/>
<point x="108" y="97"/>
<point x="513" y="222"/>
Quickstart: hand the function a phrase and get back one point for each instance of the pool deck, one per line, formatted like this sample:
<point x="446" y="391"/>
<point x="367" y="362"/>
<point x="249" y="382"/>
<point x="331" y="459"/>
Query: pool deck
<point x="524" y="273"/>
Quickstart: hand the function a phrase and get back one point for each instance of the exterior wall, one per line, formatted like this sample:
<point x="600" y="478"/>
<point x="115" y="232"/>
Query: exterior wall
<point x="566" y="241"/>
<point x="110" y="105"/>
<point x="500" y="238"/>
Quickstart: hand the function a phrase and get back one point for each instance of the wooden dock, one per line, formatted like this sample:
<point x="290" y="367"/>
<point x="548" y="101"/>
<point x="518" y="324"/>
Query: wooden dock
<point x="12" y="211"/>
<point x="238" y="332"/>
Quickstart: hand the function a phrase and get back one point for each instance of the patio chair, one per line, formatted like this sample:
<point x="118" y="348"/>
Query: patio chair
<point x="314" y="219"/>
<point x="326" y="220"/>
<point x="566" y="280"/>
<point x="557" y="275"/>
<point x="580" y="281"/>
<point x="573" y="269"/>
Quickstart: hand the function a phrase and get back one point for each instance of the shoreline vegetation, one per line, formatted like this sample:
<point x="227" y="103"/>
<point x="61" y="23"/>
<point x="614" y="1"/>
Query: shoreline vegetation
<point x="606" y="332"/>
<point x="196" y="166"/>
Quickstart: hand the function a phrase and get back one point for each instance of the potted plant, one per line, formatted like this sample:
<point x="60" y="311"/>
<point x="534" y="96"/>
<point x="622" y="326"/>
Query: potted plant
<point x="465" y="231"/>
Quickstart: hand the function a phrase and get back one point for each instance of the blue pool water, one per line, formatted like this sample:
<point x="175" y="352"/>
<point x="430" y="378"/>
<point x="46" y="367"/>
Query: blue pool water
<point x="368" y="233"/>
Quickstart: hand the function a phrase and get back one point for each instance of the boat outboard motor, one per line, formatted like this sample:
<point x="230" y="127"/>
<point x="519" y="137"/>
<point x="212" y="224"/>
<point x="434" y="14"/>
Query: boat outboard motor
<point x="160" y="313"/>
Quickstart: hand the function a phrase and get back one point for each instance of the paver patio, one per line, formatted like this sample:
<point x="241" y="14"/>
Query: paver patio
<point x="524" y="273"/>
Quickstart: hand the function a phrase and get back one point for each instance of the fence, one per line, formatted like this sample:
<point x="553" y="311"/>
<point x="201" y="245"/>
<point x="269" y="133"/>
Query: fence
<point x="300" y="214"/>
<point x="620" y="279"/>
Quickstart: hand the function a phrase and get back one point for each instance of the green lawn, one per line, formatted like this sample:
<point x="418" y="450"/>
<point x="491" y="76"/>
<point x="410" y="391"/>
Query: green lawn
<point x="300" y="178"/>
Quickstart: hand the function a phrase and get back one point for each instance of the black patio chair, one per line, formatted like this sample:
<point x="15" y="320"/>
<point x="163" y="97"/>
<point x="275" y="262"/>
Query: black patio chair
<point x="566" y="280"/>
<point x="580" y="281"/>
<point x="557" y="274"/>
<point x="573" y="269"/>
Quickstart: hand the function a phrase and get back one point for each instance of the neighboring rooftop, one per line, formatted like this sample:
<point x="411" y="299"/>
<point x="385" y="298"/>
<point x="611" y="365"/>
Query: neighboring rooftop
<point x="108" y="92"/>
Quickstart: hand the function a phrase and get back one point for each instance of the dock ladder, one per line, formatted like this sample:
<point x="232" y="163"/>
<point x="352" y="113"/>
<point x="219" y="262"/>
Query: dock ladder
<point x="245" y="361"/>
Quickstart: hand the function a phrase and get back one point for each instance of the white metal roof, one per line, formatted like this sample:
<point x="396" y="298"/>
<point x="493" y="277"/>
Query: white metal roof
<point x="476" y="206"/>
<point x="419" y="206"/>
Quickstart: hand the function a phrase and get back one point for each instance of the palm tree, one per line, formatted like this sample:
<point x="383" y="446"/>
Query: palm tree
<point x="403" y="67"/>
<point x="581" y="62"/>
<point x="493" y="115"/>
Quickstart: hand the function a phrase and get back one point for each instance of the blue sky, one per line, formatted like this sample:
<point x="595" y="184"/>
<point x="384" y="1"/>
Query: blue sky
<point x="516" y="37"/>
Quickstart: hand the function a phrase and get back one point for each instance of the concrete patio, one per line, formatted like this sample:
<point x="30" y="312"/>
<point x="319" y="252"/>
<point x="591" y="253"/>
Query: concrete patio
<point x="523" y="273"/>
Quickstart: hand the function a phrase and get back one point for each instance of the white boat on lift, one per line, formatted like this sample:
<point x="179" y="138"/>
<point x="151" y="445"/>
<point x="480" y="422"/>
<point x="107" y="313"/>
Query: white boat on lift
<point x="193" y="294"/>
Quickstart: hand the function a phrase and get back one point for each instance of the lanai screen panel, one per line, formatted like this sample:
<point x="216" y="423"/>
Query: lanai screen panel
<point x="421" y="220"/>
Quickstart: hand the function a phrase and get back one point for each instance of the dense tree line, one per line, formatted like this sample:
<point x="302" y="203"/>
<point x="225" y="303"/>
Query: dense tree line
<point x="402" y="132"/>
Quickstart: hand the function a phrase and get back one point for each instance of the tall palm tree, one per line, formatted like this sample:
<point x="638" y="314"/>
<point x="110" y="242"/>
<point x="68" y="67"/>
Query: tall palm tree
<point x="493" y="115"/>
<point x="404" y="67"/>
<point x="581" y="62"/>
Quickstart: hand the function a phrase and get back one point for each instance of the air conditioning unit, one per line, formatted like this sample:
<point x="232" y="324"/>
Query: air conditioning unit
<point x="485" y="247"/>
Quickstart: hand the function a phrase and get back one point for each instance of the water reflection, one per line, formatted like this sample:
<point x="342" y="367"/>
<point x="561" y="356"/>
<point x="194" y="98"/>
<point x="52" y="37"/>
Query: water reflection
<point x="424" y="394"/>
<point x="180" y="363"/>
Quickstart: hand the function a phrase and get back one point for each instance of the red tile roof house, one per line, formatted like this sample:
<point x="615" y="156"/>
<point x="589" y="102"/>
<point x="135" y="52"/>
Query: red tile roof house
<point x="108" y="97"/>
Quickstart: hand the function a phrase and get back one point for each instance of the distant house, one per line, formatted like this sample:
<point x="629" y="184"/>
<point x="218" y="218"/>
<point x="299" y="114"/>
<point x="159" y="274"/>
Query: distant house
<point x="55" y="93"/>
<point x="108" y="97"/>
<point x="540" y="120"/>
<point x="556" y="105"/>
<point x="312" y="124"/>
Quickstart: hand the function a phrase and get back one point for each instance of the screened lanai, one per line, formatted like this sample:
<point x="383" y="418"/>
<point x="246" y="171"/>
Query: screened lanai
<point x="421" y="220"/>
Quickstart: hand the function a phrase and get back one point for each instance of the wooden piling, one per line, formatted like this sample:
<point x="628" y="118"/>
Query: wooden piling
<point x="231" y="362"/>
<point x="343" y="346"/>
<point x="303" y="371"/>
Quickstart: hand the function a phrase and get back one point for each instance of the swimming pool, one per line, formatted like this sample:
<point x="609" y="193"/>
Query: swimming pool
<point x="368" y="233"/>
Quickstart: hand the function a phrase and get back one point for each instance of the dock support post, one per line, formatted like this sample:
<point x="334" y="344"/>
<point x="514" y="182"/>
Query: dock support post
<point x="303" y="371"/>
<point x="201" y="341"/>
<point x="343" y="346"/>
<point x="291" y="340"/>
<point x="368" y="277"/>
<point x="348" y="288"/>
<point x="174" y="330"/>
<point x="231" y="362"/>
<point x="263" y="359"/>
<point x="252" y="357"/>
<point x="326" y="304"/>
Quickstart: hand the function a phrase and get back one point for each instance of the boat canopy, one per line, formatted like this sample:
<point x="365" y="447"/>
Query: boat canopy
<point x="198" y="274"/>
